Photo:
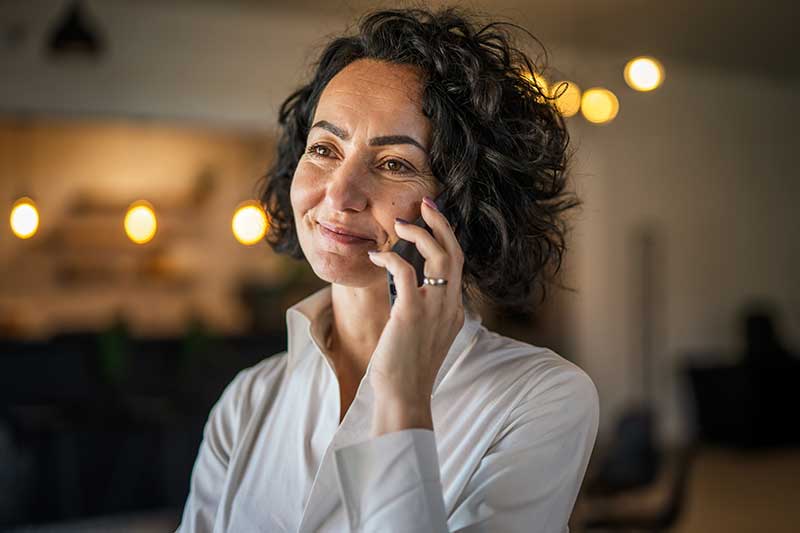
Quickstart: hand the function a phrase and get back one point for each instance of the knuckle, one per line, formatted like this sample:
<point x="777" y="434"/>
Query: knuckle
<point x="404" y="267"/>
<point x="407" y="272"/>
<point x="392" y="258"/>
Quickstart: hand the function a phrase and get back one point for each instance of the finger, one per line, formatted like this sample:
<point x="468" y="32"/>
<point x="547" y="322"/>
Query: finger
<point x="405" y="278"/>
<point x="441" y="228"/>
<point x="447" y="238"/>
<point x="436" y="258"/>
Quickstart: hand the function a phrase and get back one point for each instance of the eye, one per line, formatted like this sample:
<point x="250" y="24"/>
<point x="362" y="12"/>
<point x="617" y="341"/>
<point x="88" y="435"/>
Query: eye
<point x="395" y="166"/>
<point x="318" y="150"/>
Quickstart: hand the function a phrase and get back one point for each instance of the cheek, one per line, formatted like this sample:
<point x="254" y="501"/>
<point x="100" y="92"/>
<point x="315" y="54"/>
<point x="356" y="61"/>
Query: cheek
<point x="302" y="192"/>
<point x="408" y="206"/>
<point x="405" y="206"/>
<point x="294" y="195"/>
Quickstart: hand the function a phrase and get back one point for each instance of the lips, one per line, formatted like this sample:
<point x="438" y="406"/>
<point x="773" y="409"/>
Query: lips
<point x="345" y="231"/>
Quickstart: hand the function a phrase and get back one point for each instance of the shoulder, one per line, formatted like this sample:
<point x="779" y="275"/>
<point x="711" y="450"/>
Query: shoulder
<point x="249" y="387"/>
<point x="255" y="379"/>
<point x="251" y="384"/>
<point x="536" y="377"/>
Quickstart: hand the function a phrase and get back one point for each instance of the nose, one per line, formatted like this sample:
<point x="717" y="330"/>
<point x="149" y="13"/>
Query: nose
<point x="346" y="187"/>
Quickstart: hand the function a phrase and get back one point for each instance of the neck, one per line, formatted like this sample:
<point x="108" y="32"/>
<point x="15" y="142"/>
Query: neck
<point x="359" y="316"/>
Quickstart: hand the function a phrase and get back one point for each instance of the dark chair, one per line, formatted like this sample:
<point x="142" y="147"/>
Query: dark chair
<point x="653" y="508"/>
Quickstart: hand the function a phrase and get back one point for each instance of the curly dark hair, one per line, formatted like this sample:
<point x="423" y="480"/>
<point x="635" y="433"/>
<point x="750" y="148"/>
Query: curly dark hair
<point x="499" y="146"/>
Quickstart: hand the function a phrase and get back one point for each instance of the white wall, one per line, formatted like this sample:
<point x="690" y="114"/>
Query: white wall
<point x="202" y="61"/>
<point x="708" y="159"/>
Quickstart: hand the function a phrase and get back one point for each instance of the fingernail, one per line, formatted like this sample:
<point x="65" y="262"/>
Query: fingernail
<point x="370" y="252"/>
<point x="430" y="203"/>
<point x="401" y="221"/>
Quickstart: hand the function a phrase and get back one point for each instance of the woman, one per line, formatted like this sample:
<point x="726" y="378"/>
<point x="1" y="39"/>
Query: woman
<point x="410" y="417"/>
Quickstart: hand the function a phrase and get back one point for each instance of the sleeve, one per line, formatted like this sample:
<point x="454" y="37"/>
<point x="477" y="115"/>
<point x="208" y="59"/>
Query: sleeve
<point x="526" y="482"/>
<point x="211" y="465"/>
<point x="391" y="483"/>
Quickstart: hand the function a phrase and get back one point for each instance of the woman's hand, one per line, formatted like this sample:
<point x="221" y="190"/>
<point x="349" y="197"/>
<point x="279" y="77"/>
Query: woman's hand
<point x="423" y="324"/>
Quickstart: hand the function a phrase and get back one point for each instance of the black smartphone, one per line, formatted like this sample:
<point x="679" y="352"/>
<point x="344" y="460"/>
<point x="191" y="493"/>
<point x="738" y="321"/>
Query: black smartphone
<point x="408" y="251"/>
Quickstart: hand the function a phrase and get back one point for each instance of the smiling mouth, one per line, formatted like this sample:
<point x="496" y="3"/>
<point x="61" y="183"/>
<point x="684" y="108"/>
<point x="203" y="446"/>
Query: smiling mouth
<point x="343" y="238"/>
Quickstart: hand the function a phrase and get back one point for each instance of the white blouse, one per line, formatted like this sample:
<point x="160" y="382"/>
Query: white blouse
<point x="514" y="429"/>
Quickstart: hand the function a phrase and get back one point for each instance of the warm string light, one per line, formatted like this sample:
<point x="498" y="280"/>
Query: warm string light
<point x="140" y="222"/>
<point x="567" y="96"/>
<point x="644" y="73"/>
<point x="599" y="105"/>
<point x="24" y="218"/>
<point x="537" y="79"/>
<point x="249" y="223"/>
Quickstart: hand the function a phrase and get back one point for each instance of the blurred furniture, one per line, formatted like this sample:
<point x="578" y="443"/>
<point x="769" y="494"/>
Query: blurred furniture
<point x="745" y="405"/>
<point x="651" y="508"/>
<point x="752" y="403"/>
<point x="632" y="459"/>
<point x="102" y="424"/>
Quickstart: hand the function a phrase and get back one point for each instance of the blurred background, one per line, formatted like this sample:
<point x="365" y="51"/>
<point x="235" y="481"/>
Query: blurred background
<point x="134" y="284"/>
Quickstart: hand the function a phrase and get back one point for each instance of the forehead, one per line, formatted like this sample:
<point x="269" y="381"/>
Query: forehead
<point x="373" y="89"/>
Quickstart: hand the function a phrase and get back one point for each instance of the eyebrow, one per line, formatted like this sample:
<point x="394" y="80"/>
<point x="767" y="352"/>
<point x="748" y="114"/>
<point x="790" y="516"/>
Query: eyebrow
<point x="375" y="141"/>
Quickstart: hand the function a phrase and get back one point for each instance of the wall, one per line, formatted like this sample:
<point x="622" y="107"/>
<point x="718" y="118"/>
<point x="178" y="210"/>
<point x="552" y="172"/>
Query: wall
<point x="205" y="62"/>
<point x="707" y="162"/>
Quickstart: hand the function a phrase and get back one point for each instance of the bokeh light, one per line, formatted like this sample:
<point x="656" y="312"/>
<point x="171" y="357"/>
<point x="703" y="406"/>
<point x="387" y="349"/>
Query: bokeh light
<point x="538" y="80"/>
<point x="568" y="97"/>
<point x="24" y="218"/>
<point x="599" y="105"/>
<point x="644" y="73"/>
<point x="140" y="222"/>
<point x="249" y="223"/>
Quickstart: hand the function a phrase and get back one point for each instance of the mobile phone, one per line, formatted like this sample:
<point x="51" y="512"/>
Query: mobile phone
<point x="408" y="251"/>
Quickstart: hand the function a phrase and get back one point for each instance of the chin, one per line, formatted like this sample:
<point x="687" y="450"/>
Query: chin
<point x="348" y="271"/>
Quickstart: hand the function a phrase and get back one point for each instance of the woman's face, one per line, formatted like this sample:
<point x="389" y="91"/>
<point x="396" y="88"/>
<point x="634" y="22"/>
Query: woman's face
<point x="365" y="163"/>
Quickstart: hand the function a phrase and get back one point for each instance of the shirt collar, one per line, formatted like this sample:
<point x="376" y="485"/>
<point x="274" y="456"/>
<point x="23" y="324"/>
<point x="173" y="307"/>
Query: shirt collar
<point x="308" y="320"/>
